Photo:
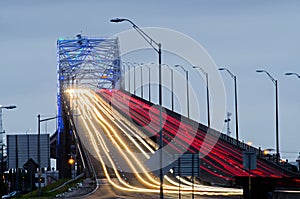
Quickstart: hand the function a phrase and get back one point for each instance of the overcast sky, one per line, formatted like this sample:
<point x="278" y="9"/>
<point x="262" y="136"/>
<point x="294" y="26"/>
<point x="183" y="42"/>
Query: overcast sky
<point x="242" y="36"/>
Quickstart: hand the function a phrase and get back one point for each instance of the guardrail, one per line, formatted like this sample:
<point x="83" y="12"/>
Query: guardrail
<point x="87" y="163"/>
<point x="232" y="141"/>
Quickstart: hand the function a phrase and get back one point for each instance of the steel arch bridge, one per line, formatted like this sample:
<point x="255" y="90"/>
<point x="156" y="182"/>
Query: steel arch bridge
<point x="82" y="62"/>
<point x="91" y="62"/>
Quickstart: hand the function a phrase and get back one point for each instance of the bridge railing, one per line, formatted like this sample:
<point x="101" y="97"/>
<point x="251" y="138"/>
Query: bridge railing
<point x="284" y="168"/>
<point x="241" y="145"/>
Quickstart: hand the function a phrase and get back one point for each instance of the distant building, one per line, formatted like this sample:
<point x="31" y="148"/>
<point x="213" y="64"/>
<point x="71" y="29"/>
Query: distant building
<point x="20" y="148"/>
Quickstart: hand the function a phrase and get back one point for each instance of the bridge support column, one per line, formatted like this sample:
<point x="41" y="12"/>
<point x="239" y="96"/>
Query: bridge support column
<point x="64" y="149"/>
<point x="260" y="187"/>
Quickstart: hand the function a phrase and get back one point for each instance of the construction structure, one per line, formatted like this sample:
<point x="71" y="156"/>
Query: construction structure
<point x="82" y="62"/>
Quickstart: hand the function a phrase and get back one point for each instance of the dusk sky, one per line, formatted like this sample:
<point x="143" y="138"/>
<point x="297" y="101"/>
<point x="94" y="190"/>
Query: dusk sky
<point x="241" y="36"/>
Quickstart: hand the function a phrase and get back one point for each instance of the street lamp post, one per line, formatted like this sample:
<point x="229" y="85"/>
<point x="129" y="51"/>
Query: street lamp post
<point x="276" y="108"/>
<point x="207" y="94"/>
<point x="128" y="71"/>
<point x="142" y="90"/>
<point x="172" y="85"/>
<point x="149" y="86"/>
<point x="235" y="104"/>
<point x="295" y="74"/>
<point x="157" y="47"/>
<point x="2" y="144"/>
<point x="187" y="88"/>
<point x="133" y="65"/>
<point x="39" y="148"/>
<point x="1" y="126"/>
<point x="134" y="83"/>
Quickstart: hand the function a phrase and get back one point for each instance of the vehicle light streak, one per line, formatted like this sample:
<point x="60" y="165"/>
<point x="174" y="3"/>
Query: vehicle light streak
<point x="87" y="108"/>
<point x="134" y="158"/>
<point x="215" y="154"/>
<point x="146" y="154"/>
<point x="105" y="127"/>
<point x="97" y="149"/>
<point x="178" y="141"/>
<point x="128" y="129"/>
<point x="169" y="187"/>
<point x="152" y="152"/>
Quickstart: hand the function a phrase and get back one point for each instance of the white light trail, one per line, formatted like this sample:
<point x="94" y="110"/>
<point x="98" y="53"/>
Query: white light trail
<point x="89" y="105"/>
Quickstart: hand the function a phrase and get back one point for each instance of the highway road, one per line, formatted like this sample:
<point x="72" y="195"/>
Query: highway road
<point x="121" y="153"/>
<point x="221" y="160"/>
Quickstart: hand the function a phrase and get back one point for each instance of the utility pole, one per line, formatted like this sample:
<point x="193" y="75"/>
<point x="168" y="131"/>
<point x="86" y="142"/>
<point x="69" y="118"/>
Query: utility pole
<point x="227" y="120"/>
<point x="2" y="132"/>
<point x="1" y="126"/>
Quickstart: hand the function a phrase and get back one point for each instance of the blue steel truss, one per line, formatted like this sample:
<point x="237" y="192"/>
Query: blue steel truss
<point x="90" y="62"/>
<point x="86" y="62"/>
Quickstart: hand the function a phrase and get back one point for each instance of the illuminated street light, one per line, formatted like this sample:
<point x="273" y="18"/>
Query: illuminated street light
<point x="187" y="88"/>
<point x="207" y="94"/>
<point x="172" y="85"/>
<point x="276" y="108"/>
<point x="8" y="107"/>
<point x="1" y="141"/>
<point x="39" y="148"/>
<point x="142" y="86"/>
<point x="149" y="78"/>
<point x="235" y="104"/>
<point x="128" y="71"/>
<point x="1" y="125"/>
<point x="134" y="65"/>
<point x="134" y="79"/>
<point x="267" y="151"/>
<point x="157" y="48"/>
<point x="71" y="161"/>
